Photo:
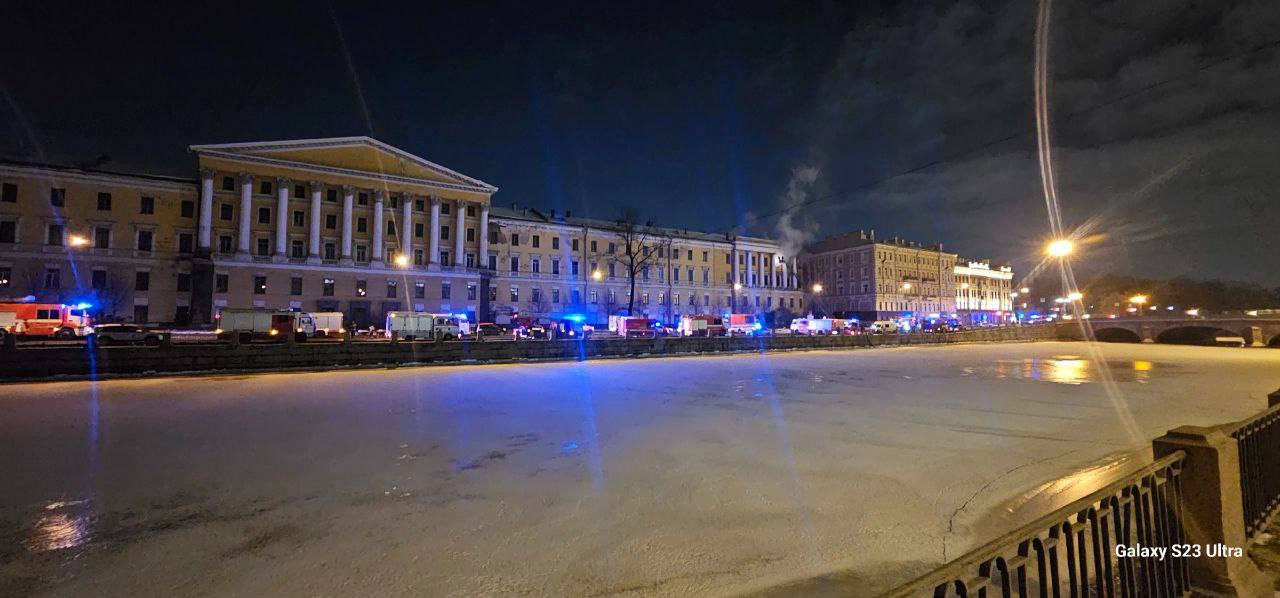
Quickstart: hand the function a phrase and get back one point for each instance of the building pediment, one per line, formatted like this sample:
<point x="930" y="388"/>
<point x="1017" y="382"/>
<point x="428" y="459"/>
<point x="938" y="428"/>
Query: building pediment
<point x="353" y="154"/>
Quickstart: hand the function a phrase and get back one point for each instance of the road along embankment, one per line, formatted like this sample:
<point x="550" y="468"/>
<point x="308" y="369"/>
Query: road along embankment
<point x="83" y="362"/>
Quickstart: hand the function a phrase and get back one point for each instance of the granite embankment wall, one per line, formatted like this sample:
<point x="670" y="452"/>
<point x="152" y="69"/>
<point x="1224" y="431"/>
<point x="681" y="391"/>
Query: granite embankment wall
<point x="79" y="361"/>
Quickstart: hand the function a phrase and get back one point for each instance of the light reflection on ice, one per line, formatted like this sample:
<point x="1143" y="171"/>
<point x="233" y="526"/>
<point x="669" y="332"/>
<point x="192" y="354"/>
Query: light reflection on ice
<point x="58" y="528"/>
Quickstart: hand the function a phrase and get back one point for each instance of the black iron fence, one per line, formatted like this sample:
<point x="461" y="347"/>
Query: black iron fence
<point x="1258" y="439"/>
<point x="1072" y="551"/>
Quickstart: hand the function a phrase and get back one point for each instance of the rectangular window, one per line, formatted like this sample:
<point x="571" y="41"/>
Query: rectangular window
<point x="537" y="241"/>
<point x="555" y="242"/>
<point x="228" y="184"/>
<point x="444" y="207"/>
<point x="8" y="231"/>
<point x="471" y="235"/>
<point x="418" y="257"/>
<point x="184" y="282"/>
<point x="221" y="282"/>
<point x="515" y="263"/>
<point x="98" y="281"/>
<point x="331" y="221"/>
<point x="419" y="229"/>
<point x="53" y="278"/>
<point x="186" y="243"/>
<point x="104" y="202"/>
<point x="295" y="285"/>
<point x="259" y="285"/>
<point x="9" y="192"/>
<point x="576" y="295"/>
<point x="446" y="289"/>
<point x="145" y="238"/>
<point x="299" y="218"/>
<point x="225" y="244"/>
<point x="57" y="197"/>
<point x="573" y="245"/>
<point x="419" y="205"/>
<point x="472" y="291"/>
<point x="362" y="225"/>
<point x="515" y="294"/>
<point x="391" y="289"/>
<point x="225" y="211"/>
<point x="264" y="187"/>
<point x="296" y="249"/>
<point x="471" y="211"/>
<point x="419" y="290"/>
<point x="54" y="235"/>
<point x="331" y="195"/>
<point x="555" y="267"/>
<point x="444" y="258"/>
<point x="330" y="251"/>
<point x="362" y="253"/>
<point x="147" y="205"/>
<point x="535" y="265"/>
<point x="493" y="262"/>
<point x="299" y="191"/>
<point x="515" y="239"/>
<point x="326" y="287"/>
<point x="535" y="295"/>
<point x="264" y="215"/>
<point x="555" y="295"/>
<point x="391" y="228"/>
<point x="595" y="296"/>
<point x="444" y="232"/>
<point x="612" y="249"/>
<point x="188" y="208"/>
<point x="471" y="260"/>
<point x="264" y="246"/>
<point x="140" y="314"/>
<point x="573" y="268"/>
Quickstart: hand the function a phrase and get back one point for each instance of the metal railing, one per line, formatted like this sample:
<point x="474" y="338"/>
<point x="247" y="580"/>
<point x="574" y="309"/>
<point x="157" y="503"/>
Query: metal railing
<point x="1258" y="439"/>
<point x="1072" y="550"/>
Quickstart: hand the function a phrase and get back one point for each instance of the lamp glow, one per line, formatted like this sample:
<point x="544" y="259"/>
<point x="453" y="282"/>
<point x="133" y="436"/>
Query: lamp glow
<point x="77" y="241"/>
<point x="1060" y="248"/>
<point x="1138" y="299"/>
<point x="401" y="260"/>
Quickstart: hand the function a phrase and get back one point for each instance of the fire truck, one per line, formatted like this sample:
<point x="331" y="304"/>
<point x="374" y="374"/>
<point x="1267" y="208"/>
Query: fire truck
<point x="58" y="320"/>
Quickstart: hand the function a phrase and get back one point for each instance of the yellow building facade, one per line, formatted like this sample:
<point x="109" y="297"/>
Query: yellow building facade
<point x="347" y="224"/>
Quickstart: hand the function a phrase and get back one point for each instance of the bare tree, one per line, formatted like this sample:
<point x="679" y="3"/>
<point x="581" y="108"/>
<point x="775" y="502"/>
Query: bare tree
<point x="637" y="250"/>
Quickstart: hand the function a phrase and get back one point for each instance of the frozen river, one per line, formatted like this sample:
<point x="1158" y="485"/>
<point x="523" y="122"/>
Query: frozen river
<point x="697" y="475"/>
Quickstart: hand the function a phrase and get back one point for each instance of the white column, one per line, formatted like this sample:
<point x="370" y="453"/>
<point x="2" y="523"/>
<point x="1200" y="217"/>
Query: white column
<point x="784" y="281"/>
<point x="433" y="251"/>
<point x="747" y="279"/>
<point x="206" y="208"/>
<point x="733" y="259"/>
<point x="348" y="198"/>
<point x="766" y="267"/>
<point x="482" y="257"/>
<point x="459" y="233"/>
<point x="406" y="226"/>
<point x="282" y="218"/>
<point x="246" y="209"/>
<point x="313" y="250"/>
<point x="378" y="251"/>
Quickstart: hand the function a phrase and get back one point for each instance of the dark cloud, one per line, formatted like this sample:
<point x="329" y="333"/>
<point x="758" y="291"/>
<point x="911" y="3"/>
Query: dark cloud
<point x="1163" y="115"/>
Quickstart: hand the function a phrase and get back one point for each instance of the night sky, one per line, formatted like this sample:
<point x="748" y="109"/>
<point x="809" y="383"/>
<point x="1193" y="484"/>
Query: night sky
<point x="1164" y="112"/>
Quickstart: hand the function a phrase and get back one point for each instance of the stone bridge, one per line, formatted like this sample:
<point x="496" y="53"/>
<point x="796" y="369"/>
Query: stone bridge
<point x="1256" y="331"/>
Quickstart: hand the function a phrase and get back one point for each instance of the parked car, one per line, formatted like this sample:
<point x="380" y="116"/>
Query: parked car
<point x="491" y="330"/>
<point x="123" y="334"/>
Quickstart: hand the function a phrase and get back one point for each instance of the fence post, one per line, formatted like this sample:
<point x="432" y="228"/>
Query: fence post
<point x="1213" y="511"/>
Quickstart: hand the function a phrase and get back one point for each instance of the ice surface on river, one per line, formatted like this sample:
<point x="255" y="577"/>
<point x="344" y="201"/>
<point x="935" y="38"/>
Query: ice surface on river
<point x="706" y="475"/>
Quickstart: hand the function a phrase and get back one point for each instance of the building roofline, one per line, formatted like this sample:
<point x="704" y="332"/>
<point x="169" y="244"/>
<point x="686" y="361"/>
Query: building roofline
<point x="62" y="170"/>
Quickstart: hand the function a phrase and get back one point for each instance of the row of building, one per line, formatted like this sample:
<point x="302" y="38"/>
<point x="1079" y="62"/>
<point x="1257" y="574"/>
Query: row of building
<point x="358" y="226"/>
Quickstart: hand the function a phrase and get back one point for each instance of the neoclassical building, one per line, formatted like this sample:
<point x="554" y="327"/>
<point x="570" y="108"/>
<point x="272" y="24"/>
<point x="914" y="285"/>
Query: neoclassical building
<point x="346" y="224"/>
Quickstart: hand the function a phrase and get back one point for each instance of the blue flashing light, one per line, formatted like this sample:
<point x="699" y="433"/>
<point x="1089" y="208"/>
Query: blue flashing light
<point x="462" y="317"/>
<point x="758" y="326"/>
<point x="82" y="305"/>
<point x="575" y="317"/>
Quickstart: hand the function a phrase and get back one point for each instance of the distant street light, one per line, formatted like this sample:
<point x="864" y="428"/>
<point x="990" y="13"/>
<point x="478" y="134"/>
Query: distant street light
<point x="1076" y="296"/>
<point x="596" y="275"/>
<point x="401" y="260"/>
<point x="1024" y="290"/>
<point x="906" y="286"/>
<point x="1138" y="299"/>
<point x="737" y="286"/>
<point x="1193" y="312"/>
<point x="77" y="241"/>
<point x="817" y="288"/>
<point x="1060" y="248"/>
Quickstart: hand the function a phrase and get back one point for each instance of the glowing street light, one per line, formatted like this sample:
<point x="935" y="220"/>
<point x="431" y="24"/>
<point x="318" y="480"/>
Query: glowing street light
<point x="1193" y="312"/>
<point x="1013" y="294"/>
<point x="1076" y="296"/>
<point x="1060" y="248"/>
<point x="401" y="260"/>
<point x="1138" y="299"/>
<point x="737" y="286"/>
<point x="906" y="286"/>
<point x="596" y="275"/>
<point x="817" y="288"/>
<point x="77" y="241"/>
<point x="1024" y="290"/>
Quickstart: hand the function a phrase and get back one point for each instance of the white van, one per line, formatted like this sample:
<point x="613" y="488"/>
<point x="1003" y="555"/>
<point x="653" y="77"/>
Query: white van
<point x="884" y="327"/>
<point x="411" y="325"/>
<point x="327" y="323"/>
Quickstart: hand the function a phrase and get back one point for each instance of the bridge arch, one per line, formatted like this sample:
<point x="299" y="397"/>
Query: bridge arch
<point x="1116" y="335"/>
<point x="1197" y="334"/>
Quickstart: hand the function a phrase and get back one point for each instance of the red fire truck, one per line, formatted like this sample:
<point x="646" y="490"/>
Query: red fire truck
<point x="46" y="319"/>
